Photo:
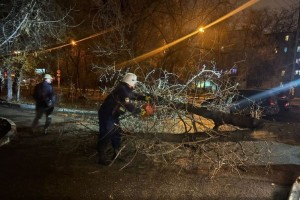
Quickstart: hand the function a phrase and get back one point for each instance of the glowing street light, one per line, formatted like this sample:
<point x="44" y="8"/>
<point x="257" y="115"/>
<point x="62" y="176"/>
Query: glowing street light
<point x="73" y="43"/>
<point x="201" y="30"/>
<point x="17" y="52"/>
<point x="155" y="51"/>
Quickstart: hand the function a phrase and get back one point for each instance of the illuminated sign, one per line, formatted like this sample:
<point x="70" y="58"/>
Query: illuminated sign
<point x="40" y="71"/>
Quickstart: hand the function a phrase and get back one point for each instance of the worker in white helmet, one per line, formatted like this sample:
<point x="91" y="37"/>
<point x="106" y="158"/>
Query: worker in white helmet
<point x="117" y="103"/>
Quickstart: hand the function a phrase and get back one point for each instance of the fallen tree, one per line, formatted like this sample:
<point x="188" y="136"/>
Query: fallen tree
<point x="269" y="131"/>
<point x="183" y="132"/>
<point x="219" y="117"/>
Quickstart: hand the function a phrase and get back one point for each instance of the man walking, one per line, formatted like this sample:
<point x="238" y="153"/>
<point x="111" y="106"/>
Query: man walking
<point x="44" y="102"/>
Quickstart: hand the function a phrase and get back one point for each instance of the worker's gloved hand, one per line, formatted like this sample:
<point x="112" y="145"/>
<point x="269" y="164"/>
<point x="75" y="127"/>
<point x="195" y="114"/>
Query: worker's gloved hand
<point x="148" y="99"/>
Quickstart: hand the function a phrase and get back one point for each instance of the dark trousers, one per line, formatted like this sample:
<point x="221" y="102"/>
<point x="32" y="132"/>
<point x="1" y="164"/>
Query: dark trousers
<point x="109" y="134"/>
<point x="39" y="111"/>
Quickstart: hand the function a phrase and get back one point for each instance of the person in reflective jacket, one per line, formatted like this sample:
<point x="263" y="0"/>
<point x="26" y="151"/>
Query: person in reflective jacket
<point x="116" y="103"/>
<point x="44" y="102"/>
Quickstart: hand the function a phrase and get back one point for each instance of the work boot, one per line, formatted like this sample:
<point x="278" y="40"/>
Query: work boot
<point x="103" y="160"/>
<point x="115" y="154"/>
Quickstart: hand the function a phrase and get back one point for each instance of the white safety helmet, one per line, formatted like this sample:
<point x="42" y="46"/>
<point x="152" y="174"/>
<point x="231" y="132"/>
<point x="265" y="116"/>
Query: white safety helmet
<point x="130" y="79"/>
<point x="48" y="76"/>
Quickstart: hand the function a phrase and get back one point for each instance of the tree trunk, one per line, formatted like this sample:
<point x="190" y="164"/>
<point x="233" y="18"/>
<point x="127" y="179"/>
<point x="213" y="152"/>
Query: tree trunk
<point x="219" y="117"/>
<point x="9" y="86"/>
<point x="19" y="85"/>
<point x="277" y="132"/>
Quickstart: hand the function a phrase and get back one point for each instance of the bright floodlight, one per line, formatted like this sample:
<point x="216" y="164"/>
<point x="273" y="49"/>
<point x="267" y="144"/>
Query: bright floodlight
<point x="201" y="30"/>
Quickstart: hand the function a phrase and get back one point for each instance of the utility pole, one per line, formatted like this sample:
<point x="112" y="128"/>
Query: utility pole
<point x="58" y="72"/>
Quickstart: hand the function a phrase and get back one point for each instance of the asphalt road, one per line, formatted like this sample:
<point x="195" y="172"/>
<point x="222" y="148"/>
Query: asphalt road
<point x="61" y="166"/>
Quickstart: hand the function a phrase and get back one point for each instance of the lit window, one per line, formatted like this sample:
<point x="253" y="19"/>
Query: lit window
<point x="285" y="49"/>
<point x="297" y="72"/>
<point x="233" y="71"/>
<point x="282" y="72"/>
<point x="298" y="48"/>
<point x="286" y="38"/>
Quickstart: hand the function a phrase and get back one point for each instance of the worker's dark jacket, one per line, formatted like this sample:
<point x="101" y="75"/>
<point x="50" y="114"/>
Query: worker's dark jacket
<point x="118" y="101"/>
<point x="44" y="95"/>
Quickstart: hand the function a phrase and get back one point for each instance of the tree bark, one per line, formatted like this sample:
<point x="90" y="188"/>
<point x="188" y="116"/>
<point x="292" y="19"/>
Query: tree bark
<point x="254" y="129"/>
<point x="219" y="117"/>
<point x="287" y="133"/>
<point x="9" y="86"/>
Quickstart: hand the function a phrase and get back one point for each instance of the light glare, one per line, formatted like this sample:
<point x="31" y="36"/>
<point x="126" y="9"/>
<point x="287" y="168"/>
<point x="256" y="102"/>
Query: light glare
<point x="73" y="42"/>
<point x="201" y="30"/>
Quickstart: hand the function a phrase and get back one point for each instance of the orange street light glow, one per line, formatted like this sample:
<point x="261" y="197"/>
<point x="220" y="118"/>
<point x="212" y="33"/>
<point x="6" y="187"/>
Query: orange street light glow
<point x="239" y="9"/>
<point x="80" y="40"/>
<point x="73" y="42"/>
<point x="201" y="30"/>
<point x="151" y="53"/>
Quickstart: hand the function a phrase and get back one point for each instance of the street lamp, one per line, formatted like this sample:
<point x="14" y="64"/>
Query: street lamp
<point x="17" y="52"/>
<point x="201" y="30"/>
<point x="73" y="42"/>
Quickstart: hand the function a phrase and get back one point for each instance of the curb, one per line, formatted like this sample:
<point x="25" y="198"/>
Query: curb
<point x="11" y="133"/>
<point x="76" y="111"/>
<point x="58" y="109"/>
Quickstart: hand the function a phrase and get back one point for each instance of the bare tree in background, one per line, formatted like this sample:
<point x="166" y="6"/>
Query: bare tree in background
<point x="29" y="26"/>
<point x="26" y="25"/>
<point x="147" y="25"/>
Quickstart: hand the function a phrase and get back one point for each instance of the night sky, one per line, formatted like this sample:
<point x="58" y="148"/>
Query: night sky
<point x="276" y="3"/>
